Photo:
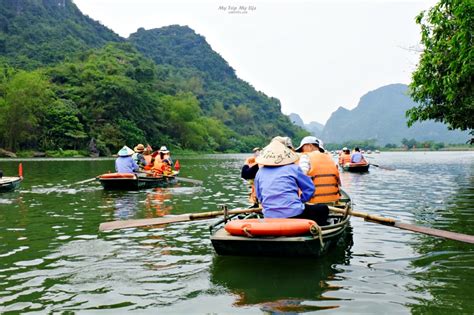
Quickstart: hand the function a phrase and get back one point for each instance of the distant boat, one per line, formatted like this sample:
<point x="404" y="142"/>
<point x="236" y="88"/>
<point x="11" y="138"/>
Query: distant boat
<point x="9" y="183"/>
<point x="377" y="151"/>
<point x="129" y="181"/>
<point x="356" y="167"/>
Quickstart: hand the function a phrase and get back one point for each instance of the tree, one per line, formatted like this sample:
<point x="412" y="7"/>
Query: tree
<point x="443" y="82"/>
<point x="26" y="94"/>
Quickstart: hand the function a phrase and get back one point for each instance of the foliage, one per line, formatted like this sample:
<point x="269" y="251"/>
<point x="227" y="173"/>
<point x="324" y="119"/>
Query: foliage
<point x="369" y="144"/>
<point x="24" y="97"/>
<point x="413" y="144"/>
<point x="34" y="33"/>
<point x="443" y="81"/>
<point x="80" y="81"/>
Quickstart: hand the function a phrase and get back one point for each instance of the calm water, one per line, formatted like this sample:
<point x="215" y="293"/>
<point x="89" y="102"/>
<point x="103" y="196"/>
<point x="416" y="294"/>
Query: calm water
<point x="52" y="258"/>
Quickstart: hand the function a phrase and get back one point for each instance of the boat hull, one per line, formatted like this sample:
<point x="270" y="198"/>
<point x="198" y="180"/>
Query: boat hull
<point x="283" y="246"/>
<point x="300" y="246"/>
<point x="356" y="168"/>
<point x="9" y="183"/>
<point x="136" y="183"/>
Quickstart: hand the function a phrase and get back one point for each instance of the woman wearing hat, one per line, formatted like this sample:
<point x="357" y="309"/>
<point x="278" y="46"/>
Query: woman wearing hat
<point x="278" y="183"/>
<point x="138" y="155"/>
<point x="124" y="163"/>
<point x="163" y="163"/>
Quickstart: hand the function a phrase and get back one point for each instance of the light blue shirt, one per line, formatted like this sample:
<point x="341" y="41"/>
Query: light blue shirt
<point x="356" y="157"/>
<point x="125" y="164"/>
<point x="277" y="190"/>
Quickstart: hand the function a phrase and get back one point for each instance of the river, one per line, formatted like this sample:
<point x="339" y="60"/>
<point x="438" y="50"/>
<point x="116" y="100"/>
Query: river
<point x="53" y="259"/>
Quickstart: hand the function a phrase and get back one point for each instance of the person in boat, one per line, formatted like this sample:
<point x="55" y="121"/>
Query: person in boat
<point x="248" y="172"/>
<point x="324" y="173"/>
<point x="282" y="188"/>
<point x="345" y="156"/>
<point x="357" y="157"/>
<point x="124" y="163"/>
<point x="147" y="156"/>
<point x="163" y="163"/>
<point x="138" y="156"/>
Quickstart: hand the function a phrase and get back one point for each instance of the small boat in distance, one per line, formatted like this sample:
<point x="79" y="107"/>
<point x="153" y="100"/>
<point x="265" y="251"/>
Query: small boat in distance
<point x="356" y="167"/>
<point x="135" y="181"/>
<point x="315" y="242"/>
<point x="9" y="183"/>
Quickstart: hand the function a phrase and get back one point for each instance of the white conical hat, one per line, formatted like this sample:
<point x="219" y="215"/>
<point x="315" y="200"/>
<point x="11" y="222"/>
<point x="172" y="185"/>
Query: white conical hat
<point x="125" y="151"/>
<point x="276" y="154"/>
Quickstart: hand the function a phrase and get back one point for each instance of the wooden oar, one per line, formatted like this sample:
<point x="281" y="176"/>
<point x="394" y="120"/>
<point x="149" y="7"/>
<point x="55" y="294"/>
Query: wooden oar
<point x="383" y="167"/>
<point x="181" y="179"/>
<point x="189" y="180"/>
<point x="123" y="224"/>
<point x="409" y="227"/>
<point x="83" y="181"/>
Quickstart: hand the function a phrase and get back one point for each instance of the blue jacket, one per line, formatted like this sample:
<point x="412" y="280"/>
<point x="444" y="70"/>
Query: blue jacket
<point x="277" y="190"/>
<point x="125" y="164"/>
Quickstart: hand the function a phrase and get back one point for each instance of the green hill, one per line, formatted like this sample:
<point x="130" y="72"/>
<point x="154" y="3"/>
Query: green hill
<point x="38" y="32"/>
<point x="66" y="79"/>
<point x="221" y="93"/>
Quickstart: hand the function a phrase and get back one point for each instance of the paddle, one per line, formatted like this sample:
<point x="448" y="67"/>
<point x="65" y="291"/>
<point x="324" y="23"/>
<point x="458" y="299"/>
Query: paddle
<point x="409" y="227"/>
<point x="123" y="224"/>
<point x="383" y="167"/>
<point x="83" y="181"/>
<point x="189" y="180"/>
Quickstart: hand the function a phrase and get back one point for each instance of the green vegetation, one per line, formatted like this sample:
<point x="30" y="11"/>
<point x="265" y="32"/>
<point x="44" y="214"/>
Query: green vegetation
<point x="407" y="144"/>
<point x="442" y="83"/>
<point x="65" y="79"/>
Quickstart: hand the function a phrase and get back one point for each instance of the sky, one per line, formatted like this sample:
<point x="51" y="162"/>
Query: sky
<point x="313" y="55"/>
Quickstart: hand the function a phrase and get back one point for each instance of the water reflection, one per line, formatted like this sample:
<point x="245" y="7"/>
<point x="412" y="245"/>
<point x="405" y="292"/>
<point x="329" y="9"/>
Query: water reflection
<point x="283" y="284"/>
<point x="439" y="257"/>
<point x="158" y="202"/>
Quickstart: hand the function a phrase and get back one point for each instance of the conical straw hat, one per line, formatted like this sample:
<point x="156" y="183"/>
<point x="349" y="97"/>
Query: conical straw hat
<point x="276" y="154"/>
<point x="125" y="151"/>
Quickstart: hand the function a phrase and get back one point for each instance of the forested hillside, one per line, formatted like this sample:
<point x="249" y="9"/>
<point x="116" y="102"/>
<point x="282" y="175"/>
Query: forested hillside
<point x="38" y="32"/>
<point x="66" y="79"/>
<point x="221" y="93"/>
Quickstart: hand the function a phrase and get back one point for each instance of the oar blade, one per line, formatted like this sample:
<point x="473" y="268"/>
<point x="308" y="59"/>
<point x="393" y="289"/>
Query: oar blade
<point x="435" y="232"/>
<point x="124" y="224"/>
<point x="189" y="180"/>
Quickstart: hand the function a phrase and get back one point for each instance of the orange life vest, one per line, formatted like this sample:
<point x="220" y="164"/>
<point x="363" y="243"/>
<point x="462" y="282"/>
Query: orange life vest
<point x="147" y="159"/>
<point x="325" y="176"/>
<point x="344" y="159"/>
<point x="162" y="166"/>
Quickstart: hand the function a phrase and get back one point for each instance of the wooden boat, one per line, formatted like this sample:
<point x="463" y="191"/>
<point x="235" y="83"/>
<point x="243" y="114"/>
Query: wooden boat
<point x="128" y="181"/>
<point x="9" y="183"/>
<point x="356" y="167"/>
<point x="306" y="245"/>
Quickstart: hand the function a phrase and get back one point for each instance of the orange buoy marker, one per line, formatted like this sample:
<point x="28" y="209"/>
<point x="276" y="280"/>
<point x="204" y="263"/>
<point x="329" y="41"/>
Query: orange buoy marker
<point x="20" y="170"/>
<point x="177" y="166"/>
<point x="270" y="227"/>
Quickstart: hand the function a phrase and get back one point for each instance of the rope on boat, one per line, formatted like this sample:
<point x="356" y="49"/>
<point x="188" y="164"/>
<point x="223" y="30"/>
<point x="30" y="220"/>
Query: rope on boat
<point x="247" y="232"/>
<point x="316" y="230"/>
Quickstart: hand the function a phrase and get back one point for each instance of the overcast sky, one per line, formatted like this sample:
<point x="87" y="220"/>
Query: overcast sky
<point x="313" y="55"/>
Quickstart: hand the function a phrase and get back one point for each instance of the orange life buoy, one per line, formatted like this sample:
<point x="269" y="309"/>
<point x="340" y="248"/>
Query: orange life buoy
<point x="269" y="227"/>
<point x="117" y="175"/>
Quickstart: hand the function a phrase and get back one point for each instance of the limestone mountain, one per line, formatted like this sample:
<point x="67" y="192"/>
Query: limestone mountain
<point x="380" y="115"/>
<point x="313" y="127"/>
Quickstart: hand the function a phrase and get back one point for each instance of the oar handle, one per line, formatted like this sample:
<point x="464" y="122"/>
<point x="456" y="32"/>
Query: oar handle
<point x="196" y="216"/>
<point x="365" y="216"/>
